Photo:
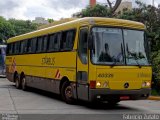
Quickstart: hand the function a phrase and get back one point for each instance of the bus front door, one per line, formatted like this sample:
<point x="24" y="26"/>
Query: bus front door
<point x="82" y="65"/>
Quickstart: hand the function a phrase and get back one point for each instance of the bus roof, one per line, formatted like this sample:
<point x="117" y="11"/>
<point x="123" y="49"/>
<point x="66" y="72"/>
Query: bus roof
<point x="80" y="22"/>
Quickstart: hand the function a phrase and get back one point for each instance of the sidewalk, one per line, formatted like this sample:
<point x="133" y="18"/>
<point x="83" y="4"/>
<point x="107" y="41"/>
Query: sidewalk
<point x="154" y="98"/>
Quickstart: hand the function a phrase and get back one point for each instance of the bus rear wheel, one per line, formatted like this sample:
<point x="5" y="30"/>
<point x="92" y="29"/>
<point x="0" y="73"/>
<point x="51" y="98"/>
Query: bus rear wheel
<point x="17" y="82"/>
<point x="24" y="87"/>
<point x="113" y="102"/>
<point x="67" y="93"/>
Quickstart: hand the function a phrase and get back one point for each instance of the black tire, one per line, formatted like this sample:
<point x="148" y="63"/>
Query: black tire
<point x="67" y="93"/>
<point x="113" y="102"/>
<point x="17" y="82"/>
<point x="24" y="87"/>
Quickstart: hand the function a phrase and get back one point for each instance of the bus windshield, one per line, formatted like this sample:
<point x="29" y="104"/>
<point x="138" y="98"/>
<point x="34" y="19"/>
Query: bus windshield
<point x="118" y="46"/>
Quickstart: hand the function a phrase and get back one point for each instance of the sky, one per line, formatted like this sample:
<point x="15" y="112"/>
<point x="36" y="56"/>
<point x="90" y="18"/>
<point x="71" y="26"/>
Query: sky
<point x="55" y="9"/>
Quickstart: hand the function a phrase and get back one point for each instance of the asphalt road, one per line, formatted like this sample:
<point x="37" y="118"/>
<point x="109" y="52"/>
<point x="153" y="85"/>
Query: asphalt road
<point x="35" y="104"/>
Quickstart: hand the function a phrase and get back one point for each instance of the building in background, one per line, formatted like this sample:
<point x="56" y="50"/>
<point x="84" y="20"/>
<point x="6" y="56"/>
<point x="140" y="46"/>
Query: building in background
<point x="92" y="3"/>
<point x="40" y="20"/>
<point x="124" y="5"/>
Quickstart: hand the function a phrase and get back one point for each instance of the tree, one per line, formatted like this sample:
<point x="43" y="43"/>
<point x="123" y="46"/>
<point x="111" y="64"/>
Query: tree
<point x="50" y="20"/>
<point x="22" y="26"/>
<point x="150" y="16"/>
<point x="114" y="8"/>
<point x="96" y="11"/>
<point x="6" y="30"/>
<point x="100" y="10"/>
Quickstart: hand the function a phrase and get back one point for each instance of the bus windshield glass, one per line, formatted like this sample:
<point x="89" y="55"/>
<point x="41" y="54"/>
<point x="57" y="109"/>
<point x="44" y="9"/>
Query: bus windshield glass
<point x="118" y="46"/>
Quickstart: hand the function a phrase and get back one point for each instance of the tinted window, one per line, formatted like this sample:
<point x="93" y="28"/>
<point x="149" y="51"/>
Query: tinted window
<point x="68" y="38"/>
<point x="17" y="47"/>
<point x="23" y="47"/>
<point x="54" y="42"/>
<point x="33" y="45"/>
<point x="29" y="43"/>
<point x="44" y="45"/>
<point x="9" y="49"/>
<point x="39" y="44"/>
<point x="82" y="49"/>
<point x="51" y="42"/>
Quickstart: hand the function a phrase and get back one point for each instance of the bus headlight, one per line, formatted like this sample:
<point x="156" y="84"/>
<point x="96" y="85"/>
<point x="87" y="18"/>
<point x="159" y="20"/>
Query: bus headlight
<point x="98" y="84"/>
<point x="146" y="84"/>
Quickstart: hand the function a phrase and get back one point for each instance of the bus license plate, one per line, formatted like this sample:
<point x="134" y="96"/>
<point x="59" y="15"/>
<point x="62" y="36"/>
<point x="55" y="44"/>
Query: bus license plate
<point x="124" y="98"/>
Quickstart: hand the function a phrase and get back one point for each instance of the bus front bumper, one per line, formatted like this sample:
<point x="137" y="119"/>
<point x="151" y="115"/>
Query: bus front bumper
<point x="109" y="95"/>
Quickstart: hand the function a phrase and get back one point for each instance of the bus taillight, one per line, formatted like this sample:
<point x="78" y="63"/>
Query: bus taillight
<point x="92" y="84"/>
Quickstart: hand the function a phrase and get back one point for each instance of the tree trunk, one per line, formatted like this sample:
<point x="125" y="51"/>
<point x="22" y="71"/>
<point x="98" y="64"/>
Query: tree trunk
<point x="114" y="8"/>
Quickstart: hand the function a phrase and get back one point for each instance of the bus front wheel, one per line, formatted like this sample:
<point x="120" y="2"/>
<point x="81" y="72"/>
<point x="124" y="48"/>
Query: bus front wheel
<point x="67" y="93"/>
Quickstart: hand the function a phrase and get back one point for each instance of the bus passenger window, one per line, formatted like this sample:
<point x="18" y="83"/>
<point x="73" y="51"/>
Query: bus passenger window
<point x="17" y="46"/>
<point x="68" y="38"/>
<point x="23" y="47"/>
<point x="39" y="44"/>
<point x="29" y="46"/>
<point x="9" y="49"/>
<point x="56" y="42"/>
<point x="51" y="42"/>
<point x="33" y="44"/>
<point x="13" y="48"/>
<point x="82" y="49"/>
<point x="44" y="44"/>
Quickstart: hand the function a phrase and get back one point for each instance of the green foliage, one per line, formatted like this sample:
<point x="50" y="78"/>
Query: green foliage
<point x="96" y="11"/>
<point x="6" y="29"/>
<point x="154" y="92"/>
<point x="50" y="20"/>
<point x="22" y="26"/>
<point x="148" y="15"/>
<point x="13" y="27"/>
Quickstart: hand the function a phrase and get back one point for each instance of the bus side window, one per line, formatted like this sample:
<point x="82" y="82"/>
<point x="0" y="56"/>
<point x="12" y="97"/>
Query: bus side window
<point x="70" y="39"/>
<point x="22" y="50"/>
<point x="13" y="48"/>
<point x="9" y="49"/>
<point x="44" y="44"/>
<point x="25" y="46"/>
<point x="56" y="44"/>
<point x="33" y="45"/>
<point x="29" y="50"/>
<point x="82" y="46"/>
<point x="67" y="41"/>
<point x="51" y="42"/>
<point x="39" y="44"/>
<point x="17" y="45"/>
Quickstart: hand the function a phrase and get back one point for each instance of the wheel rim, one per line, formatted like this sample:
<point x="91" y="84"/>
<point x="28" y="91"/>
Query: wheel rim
<point x="68" y="92"/>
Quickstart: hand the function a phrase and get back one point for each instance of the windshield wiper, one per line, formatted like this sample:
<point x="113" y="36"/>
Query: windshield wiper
<point x="115" y="62"/>
<point x="135" y="58"/>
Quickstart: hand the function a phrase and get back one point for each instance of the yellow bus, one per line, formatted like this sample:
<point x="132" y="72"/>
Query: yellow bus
<point x="91" y="59"/>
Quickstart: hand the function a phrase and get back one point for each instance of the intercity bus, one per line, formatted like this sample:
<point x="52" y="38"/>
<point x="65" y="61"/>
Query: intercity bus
<point x="90" y="59"/>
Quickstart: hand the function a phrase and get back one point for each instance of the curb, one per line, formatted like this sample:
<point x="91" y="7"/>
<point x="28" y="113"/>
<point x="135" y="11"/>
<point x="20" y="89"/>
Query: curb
<point x="154" y="98"/>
